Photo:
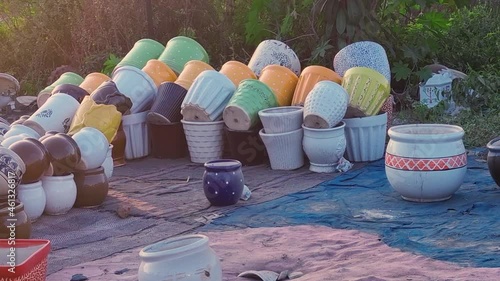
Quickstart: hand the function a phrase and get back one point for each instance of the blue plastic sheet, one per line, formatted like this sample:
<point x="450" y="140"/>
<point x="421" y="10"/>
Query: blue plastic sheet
<point x="464" y="229"/>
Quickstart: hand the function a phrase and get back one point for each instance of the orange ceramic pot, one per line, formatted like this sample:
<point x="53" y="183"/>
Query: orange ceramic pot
<point x="281" y="80"/>
<point x="159" y="72"/>
<point x="237" y="71"/>
<point x="191" y="70"/>
<point x="308" y="78"/>
<point x="93" y="80"/>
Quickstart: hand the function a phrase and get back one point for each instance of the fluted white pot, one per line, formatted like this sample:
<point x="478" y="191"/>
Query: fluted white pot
<point x="284" y="149"/>
<point x="32" y="196"/>
<point x="205" y="140"/>
<point x="325" y="106"/>
<point x="281" y="119"/>
<point x="137" y="85"/>
<point x="60" y="192"/>
<point x="136" y="131"/>
<point x="270" y="52"/>
<point x="324" y="147"/>
<point x="366" y="137"/>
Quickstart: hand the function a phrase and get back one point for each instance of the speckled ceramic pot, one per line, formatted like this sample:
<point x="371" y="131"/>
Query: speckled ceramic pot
<point x="237" y="72"/>
<point x="92" y="187"/>
<point x="190" y="72"/>
<point x="270" y="52"/>
<point x="282" y="81"/>
<point x="325" y="106"/>
<point x="223" y="182"/>
<point x="159" y="72"/>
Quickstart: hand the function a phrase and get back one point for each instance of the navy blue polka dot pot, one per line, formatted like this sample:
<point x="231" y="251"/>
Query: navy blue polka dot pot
<point x="223" y="182"/>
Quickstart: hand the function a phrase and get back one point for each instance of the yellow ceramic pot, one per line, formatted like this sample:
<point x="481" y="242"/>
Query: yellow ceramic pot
<point x="93" y="80"/>
<point x="159" y="72"/>
<point x="281" y="80"/>
<point x="308" y="78"/>
<point x="237" y="72"/>
<point x="191" y="70"/>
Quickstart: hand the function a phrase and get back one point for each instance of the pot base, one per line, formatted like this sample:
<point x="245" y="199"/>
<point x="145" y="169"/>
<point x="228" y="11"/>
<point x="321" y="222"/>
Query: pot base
<point x="315" y="122"/>
<point x="236" y="118"/>
<point x="157" y="119"/>
<point x="195" y="113"/>
<point x="420" y="200"/>
<point x="322" y="168"/>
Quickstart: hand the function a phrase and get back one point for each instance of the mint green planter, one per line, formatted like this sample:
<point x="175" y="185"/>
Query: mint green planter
<point x="65" y="78"/>
<point x="142" y="51"/>
<point x="180" y="50"/>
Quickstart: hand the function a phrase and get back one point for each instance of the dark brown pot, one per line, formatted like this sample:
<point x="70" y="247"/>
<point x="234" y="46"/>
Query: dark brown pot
<point x="35" y="156"/>
<point x="108" y="93"/>
<point x="494" y="159"/>
<point x="91" y="187"/>
<point x="118" y="151"/>
<point x="246" y="146"/>
<point x="48" y="134"/>
<point x="168" y="141"/>
<point x="73" y="90"/>
<point x="17" y="216"/>
<point x="64" y="153"/>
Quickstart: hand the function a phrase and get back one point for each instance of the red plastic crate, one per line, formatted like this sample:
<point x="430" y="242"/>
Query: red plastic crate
<point x="33" y="268"/>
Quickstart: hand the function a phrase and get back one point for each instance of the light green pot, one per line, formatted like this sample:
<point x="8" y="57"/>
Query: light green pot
<point x="142" y="51"/>
<point x="65" y="78"/>
<point x="180" y="50"/>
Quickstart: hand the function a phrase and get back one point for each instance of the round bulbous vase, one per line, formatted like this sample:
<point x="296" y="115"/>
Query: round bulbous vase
<point x="426" y="162"/>
<point x="187" y="258"/>
<point x="324" y="147"/>
<point x="190" y="72"/>
<point x="35" y="156"/>
<point x="494" y="159"/>
<point x="14" y="211"/>
<point x="60" y="193"/>
<point x="270" y="52"/>
<point x="325" y="106"/>
<point x="180" y="50"/>
<point x="91" y="188"/>
<point x="159" y="72"/>
<point x="93" y="80"/>
<point x="143" y="50"/>
<point x="237" y="72"/>
<point x="223" y="182"/>
<point x="33" y="197"/>
<point x="308" y="79"/>
<point x="64" y="153"/>
<point x="282" y="81"/>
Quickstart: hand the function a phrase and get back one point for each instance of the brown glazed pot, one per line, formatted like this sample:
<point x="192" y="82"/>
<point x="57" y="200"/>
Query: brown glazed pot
<point x="168" y="141"/>
<point x="22" y="223"/>
<point x="35" y="156"/>
<point x="108" y="93"/>
<point x="118" y="152"/>
<point x="64" y="153"/>
<point x="91" y="187"/>
<point x="73" y="90"/>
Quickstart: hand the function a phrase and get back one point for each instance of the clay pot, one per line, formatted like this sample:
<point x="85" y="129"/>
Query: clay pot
<point x="91" y="187"/>
<point x="93" y="80"/>
<point x="308" y="79"/>
<point x="223" y="182"/>
<point x="64" y="153"/>
<point x="159" y="72"/>
<point x="180" y="50"/>
<point x="237" y="72"/>
<point x="191" y="70"/>
<point x="22" y="229"/>
<point x="73" y="90"/>
<point x="35" y="156"/>
<point x="168" y="141"/>
<point x="282" y="81"/>
<point x="108" y="93"/>
<point x="119" y="143"/>
<point x="494" y="159"/>
<point x="246" y="146"/>
<point x="167" y="106"/>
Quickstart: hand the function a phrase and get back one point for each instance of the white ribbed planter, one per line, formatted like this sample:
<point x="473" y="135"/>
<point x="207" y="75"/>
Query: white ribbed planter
<point x="284" y="149"/>
<point x="281" y="119"/>
<point x="137" y="85"/>
<point x="32" y="196"/>
<point x="60" y="193"/>
<point x="324" y="147"/>
<point x="205" y="140"/>
<point x="365" y="137"/>
<point x="137" y="135"/>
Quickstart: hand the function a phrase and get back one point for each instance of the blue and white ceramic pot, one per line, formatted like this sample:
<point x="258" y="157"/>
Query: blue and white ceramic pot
<point x="223" y="182"/>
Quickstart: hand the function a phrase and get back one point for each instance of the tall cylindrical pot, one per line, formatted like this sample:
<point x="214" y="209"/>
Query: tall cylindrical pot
<point x="56" y="114"/>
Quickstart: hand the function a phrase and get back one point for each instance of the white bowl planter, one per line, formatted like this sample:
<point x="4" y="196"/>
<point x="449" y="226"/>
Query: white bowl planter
<point x="284" y="149"/>
<point x="281" y="119"/>
<point x="60" y="193"/>
<point x="324" y="147"/>
<point x="137" y="135"/>
<point x="365" y="137"/>
<point x="325" y="106"/>
<point x="205" y="140"/>
<point x="32" y="196"/>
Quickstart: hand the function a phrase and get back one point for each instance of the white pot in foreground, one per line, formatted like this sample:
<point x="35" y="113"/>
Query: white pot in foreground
<point x="324" y="147"/>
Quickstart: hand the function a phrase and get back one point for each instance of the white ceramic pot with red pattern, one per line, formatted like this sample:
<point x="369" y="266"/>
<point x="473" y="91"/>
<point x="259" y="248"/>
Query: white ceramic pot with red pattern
<point x="426" y="162"/>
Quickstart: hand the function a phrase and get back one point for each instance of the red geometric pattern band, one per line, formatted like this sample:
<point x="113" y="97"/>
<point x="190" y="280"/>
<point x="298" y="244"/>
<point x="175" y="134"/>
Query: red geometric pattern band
<point x="425" y="164"/>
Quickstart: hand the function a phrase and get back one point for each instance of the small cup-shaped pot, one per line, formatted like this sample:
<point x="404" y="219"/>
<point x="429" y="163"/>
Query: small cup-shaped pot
<point x="205" y="140"/>
<point x="56" y="114"/>
<point x="207" y="97"/>
<point x="108" y="93"/>
<point x="242" y="111"/>
<point x="65" y="78"/>
<point x="246" y="146"/>
<point x="190" y="71"/>
<point x="167" y="106"/>
<point x="494" y="159"/>
<point x="33" y="197"/>
<point x="18" y="129"/>
<point x="73" y="90"/>
<point x="281" y="119"/>
<point x="108" y="163"/>
<point x="143" y="50"/>
<point x="324" y="147"/>
<point x="325" y="105"/>
<point x="91" y="188"/>
<point x="282" y="81"/>
<point x="159" y="72"/>
<point x="237" y="72"/>
<point x="180" y="50"/>
<point x="93" y="80"/>
<point x="64" y="153"/>
<point x="284" y="149"/>
<point x="12" y="169"/>
<point x="93" y="147"/>
<point x="60" y="193"/>
<point x="119" y="143"/>
<point x="168" y="140"/>
<point x="17" y="214"/>
<point x="270" y="52"/>
<point x="35" y="156"/>
<point x="223" y="182"/>
<point x="308" y="79"/>
<point x="137" y="85"/>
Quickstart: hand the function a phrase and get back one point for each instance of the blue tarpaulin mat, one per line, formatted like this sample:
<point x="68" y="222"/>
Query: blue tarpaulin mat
<point x="464" y="229"/>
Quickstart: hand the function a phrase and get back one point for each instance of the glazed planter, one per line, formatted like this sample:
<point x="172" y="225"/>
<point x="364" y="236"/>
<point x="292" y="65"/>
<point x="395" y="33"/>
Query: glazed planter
<point x="108" y="163"/>
<point x="246" y="146"/>
<point x="223" y="182"/>
<point x="119" y="143"/>
<point x="237" y="72"/>
<point x="17" y="214"/>
<point x="270" y="52"/>
<point x="93" y="80"/>
<point x="284" y="149"/>
<point x="159" y="72"/>
<point x="205" y="140"/>
<point x="93" y="147"/>
<point x="187" y="258"/>
<point x="167" y="106"/>
<point x="324" y="147"/>
<point x="64" y="153"/>
<point x="207" y="97"/>
<point x="308" y="79"/>
<point x="425" y="162"/>
<point x="91" y="188"/>
<point x="180" y="50"/>
<point x="142" y="51"/>
<point x="494" y="159"/>
<point x="65" y="78"/>
<point x="325" y="106"/>
<point x="281" y="119"/>
<point x="362" y="54"/>
<point x="12" y="168"/>
<point x="137" y="135"/>
<point x="32" y="196"/>
<point x="56" y="114"/>
<point x="242" y="111"/>
<point x="190" y="71"/>
<point x="35" y="157"/>
<point x="137" y="85"/>
<point x="282" y="81"/>
<point x="366" y="137"/>
<point x="18" y="129"/>
<point x="108" y="93"/>
<point x="10" y="140"/>
<point x="168" y="141"/>
<point x="73" y="90"/>
<point x="60" y="193"/>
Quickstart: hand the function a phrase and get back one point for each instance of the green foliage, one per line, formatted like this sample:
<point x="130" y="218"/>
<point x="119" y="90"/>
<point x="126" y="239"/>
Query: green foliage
<point x="480" y="90"/>
<point x="110" y="64"/>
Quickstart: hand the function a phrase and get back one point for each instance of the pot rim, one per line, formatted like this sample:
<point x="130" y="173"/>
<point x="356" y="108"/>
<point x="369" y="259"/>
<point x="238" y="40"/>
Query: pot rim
<point x="232" y="164"/>
<point x="31" y="185"/>
<point x="58" y="178"/>
<point x="424" y="132"/>
<point x="263" y="133"/>
<point x="494" y="144"/>
<point x="339" y="126"/>
<point x="165" y="247"/>
<point x="281" y="111"/>
<point x="201" y="123"/>
<point x="374" y="120"/>
<point x="138" y="71"/>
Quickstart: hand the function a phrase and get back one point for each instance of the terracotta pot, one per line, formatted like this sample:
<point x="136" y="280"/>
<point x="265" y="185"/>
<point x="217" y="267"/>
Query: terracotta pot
<point x="108" y="93"/>
<point x="167" y="106"/>
<point x="159" y="72"/>
<point x="64" y="153"/>
<point x="73" y="90"/>
<point x="22" y="228"/>
<point x="494" y="159"/>
<point x="119" y="143"/>
<point x="308" y="79"/>
<point x="246" y="146"/>
<point x="237" y="71"/>
<point x="91" y="187"/>
<point x="223" y="182"/>
<point x="93" y="80"/>
<point x="282" y="81"/>
<point x="143" y="50"/>
<point x="35" y="156"/>
<point x="180" y="50"/>
<point x="168" y="141"/>
<point x="191" y="70"/>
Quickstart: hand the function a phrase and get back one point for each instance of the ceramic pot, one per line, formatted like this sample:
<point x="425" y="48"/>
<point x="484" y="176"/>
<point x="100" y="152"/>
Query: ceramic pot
<point x="56" y="114"/>
<point x="282" y="81"/>
<point x="188" y="257"/>
<point x="325" y="106"/>
<point x="159" y="72"/>
<point x="242" y="110"/>
<point x="91" y="188"/>
<point x="367" y="89"/>
<point x="10" y="140"/>
<point x="205" y="140"/>
<point x="281" y="119"/>
<point x="3" y="121"/>
<point x="284" y="149"/>
<point x="425" y="162"/>
<point x="22" y="229"/>
<point x="366" y="137"/>
<point x="35" y="156"/>
<point x="237" y="72"/>
<point x="12" y="169"/>
<point x="9" y="85"/>
<point x="108" y="93"/>
<point x="93" y="147"/>
<point x="167" y="106"/>
<point x="119" y="143"/>
<point x="18" y="129"/>
<point x="108" y="163"/>
<point x="223" y="182"/>
<point x="494" y="159"/>
<point x="60" y="193"/>
<point x="388" y="108"/>
<point x="64" y="153"/>
<point x="270" y="52"/>
<point x="73" y="90"/>
<point x="137" y="85"/>
<point x="65" y="78"/>
<point x="324" y="147"/>
<point x="180" y="50"/>
<point x="143" y="50"/>
<point x="191" y="70"/>
<point x="168" y="141"/>
<point x="32" y="196"/>
<point x="207" y="97"/>
<point x="136" y="132"/>
<point x="246" y="146"/>
<point x="48" y="134"/>
<point x="4" y="128"/>
<point x="103" y="117"/>
<point x="362" y="54"/>
<point x="93" y="80"/>
<point x="308" y="79"/>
